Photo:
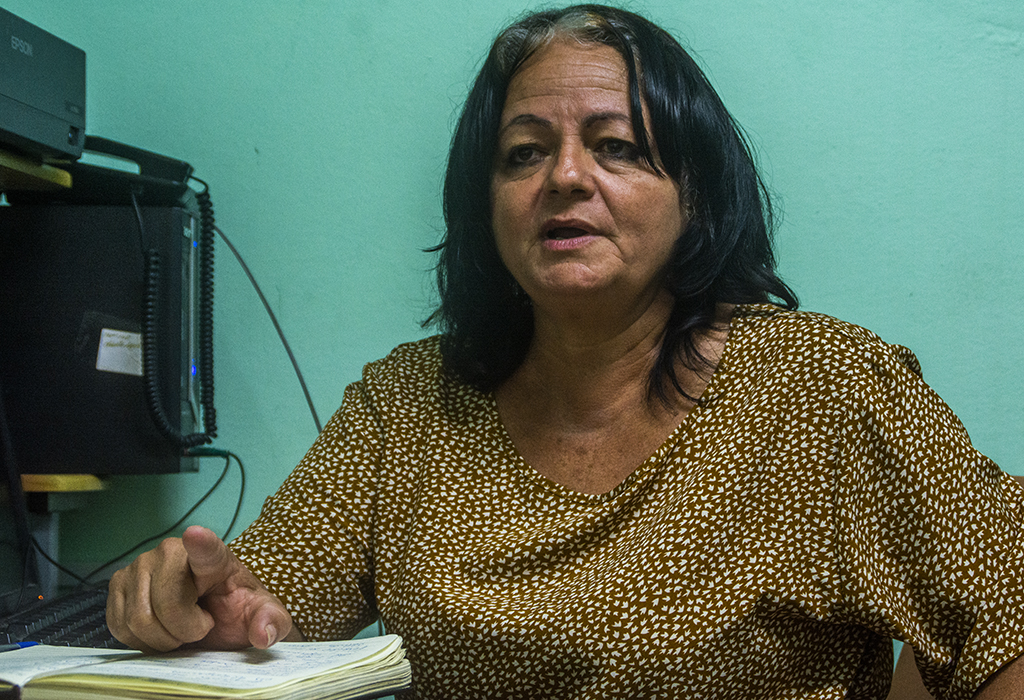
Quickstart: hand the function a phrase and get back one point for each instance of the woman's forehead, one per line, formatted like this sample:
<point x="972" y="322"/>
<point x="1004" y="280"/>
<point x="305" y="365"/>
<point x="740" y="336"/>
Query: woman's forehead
<point x="568" y="71"/>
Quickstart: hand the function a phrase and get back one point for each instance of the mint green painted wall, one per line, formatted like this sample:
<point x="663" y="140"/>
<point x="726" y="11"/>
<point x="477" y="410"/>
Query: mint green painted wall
<point x="890" y="133"/>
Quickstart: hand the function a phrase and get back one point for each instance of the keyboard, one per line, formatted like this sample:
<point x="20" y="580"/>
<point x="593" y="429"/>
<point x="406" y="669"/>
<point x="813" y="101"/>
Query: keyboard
<point x="76" y="619"/>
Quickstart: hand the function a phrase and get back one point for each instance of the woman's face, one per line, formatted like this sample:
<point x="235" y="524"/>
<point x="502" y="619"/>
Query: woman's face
<point x="575" y="209"/>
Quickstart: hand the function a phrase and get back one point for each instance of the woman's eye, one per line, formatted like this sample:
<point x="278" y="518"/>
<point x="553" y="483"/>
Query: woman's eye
<point x="617" y="148"/>
<point x="520" y="155"/>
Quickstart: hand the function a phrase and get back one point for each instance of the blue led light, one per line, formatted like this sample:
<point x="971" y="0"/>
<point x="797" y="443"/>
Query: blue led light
<point x="193" y="370"/>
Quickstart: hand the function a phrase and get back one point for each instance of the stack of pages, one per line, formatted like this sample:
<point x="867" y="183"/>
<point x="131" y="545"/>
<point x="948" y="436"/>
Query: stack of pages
<point x="347" y="670"/>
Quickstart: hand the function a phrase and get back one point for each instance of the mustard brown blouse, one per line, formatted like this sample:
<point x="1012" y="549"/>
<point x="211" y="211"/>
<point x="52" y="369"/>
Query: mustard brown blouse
<point x="819" y="501"/>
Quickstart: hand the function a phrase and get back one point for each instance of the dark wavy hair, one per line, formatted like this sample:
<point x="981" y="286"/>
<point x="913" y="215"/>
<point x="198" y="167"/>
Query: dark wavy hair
<point x="724" y="255"/>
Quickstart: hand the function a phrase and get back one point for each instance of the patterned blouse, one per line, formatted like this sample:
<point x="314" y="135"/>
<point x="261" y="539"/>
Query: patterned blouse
<point x="820" y="501"/>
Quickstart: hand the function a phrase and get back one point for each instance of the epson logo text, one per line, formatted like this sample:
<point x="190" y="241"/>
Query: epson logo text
<point x="21" y="45"/>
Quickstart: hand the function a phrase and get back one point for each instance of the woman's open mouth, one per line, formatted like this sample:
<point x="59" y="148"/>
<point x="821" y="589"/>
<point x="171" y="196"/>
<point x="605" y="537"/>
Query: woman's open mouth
<point x="566" y="232"/>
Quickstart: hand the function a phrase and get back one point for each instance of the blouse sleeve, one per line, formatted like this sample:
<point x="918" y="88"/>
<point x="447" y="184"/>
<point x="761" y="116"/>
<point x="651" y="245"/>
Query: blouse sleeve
<point x="312" y="544"/>
<point x="929" y="529"/>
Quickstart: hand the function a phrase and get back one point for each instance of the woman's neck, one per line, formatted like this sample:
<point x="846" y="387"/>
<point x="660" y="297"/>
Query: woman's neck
<point x="586" y="365"/>
<point x="582" y="369"/>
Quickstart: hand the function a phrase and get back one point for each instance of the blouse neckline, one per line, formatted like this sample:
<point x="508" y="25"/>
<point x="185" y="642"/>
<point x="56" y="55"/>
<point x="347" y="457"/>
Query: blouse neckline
<point x="645" y="470"/>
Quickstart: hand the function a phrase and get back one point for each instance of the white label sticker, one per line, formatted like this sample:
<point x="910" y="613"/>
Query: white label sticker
<point x="120" y="351"/>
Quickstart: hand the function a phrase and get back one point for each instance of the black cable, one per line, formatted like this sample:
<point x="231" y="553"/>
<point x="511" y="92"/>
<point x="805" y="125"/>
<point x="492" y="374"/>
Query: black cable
<point x="152" y="274"/>
<point x="197" y="452"/>
<point x="214" y="452"/>
<point x="42" y="552"/>
<point x="143" y="246"/>
<point x="277" y="326"/>
<point x="207" y="227"/>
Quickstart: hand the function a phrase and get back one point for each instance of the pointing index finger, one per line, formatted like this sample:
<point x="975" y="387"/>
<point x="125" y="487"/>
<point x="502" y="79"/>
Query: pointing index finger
<point x="208" y="558"/>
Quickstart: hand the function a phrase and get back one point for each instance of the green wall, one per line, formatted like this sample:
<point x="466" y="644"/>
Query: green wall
<point x="890" y="132"/>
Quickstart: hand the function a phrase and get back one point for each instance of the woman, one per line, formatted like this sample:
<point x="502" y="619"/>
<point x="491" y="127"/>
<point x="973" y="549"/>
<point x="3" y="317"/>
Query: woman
<point x="619" y="471"/>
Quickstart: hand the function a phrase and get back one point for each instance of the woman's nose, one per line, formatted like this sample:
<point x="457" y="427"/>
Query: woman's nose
<point x="571" y="172"/>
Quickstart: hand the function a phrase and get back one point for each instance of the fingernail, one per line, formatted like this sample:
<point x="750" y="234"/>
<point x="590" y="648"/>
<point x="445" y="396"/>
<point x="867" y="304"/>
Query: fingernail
<point x="271" y="634"/>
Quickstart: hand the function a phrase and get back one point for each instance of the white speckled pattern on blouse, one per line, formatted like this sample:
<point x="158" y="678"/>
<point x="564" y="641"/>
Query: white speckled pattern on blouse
<point x="821" y="500"/>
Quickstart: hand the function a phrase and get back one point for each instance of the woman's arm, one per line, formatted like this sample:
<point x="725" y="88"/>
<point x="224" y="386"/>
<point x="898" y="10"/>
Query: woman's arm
<point x="1005" y="684"/>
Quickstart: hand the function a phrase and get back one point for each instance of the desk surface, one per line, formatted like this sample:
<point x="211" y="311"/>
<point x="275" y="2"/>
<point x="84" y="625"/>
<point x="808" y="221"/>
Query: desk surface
<point x="60" y="483"/>
<point x="20" y="173"/>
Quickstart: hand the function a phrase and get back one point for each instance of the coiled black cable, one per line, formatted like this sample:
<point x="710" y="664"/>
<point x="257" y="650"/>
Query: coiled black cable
<point x="207" y="235"/>
<point x="152" y="275"/>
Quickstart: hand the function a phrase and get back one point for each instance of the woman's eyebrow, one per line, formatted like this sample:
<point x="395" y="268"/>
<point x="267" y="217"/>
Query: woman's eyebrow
<point x="592" y="119"/>
<point x="588" y="121"/>
<point x="524" y="120"/>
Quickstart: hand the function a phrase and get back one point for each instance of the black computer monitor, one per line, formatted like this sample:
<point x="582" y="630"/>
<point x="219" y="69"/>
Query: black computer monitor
<point x="74" y="302"/>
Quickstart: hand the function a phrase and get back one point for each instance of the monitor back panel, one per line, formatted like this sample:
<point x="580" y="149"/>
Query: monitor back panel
<point x="72" y="294"/>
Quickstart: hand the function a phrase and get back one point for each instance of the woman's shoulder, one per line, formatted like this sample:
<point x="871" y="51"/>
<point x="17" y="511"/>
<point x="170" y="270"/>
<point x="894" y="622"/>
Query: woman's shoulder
<point x="414" y="361"/>
<point x="768" y="332"/>
<point x="410" y="385"/>
<point x="784" y="322"/>
<point x="415" y="371"/>
<point x="425" y="352"/>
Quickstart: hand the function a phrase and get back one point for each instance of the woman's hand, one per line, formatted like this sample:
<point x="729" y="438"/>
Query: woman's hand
<point x="195" y="591"/>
